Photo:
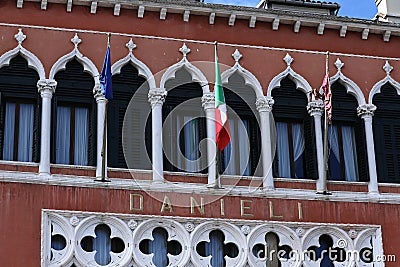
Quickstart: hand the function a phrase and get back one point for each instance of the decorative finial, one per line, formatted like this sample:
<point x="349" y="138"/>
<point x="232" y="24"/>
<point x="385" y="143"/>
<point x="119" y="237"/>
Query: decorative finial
<point x="76" y="41"/>
<point x="387" y="68"/>
<point x="130" y="45"/>
<point x="184" y="50"/>
<point x="20" y="37"/>
<point x="237" y="56"/>
<point x="288" y="59"/>
<point x="339" y="65"/>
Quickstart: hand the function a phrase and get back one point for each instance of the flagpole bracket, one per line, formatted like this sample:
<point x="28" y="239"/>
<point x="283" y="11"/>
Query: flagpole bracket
<point x="102" y="179"/>
<point x="325" y="193"/>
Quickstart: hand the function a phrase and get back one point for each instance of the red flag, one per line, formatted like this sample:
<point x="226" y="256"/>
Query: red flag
<point x="326" y="86"/>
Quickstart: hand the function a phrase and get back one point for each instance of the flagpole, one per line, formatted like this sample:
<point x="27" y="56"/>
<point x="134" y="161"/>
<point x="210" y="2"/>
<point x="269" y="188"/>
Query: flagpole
<point x="104" y="146"/>
<point x="325" y="177"/>
<point x="217" y="176"/>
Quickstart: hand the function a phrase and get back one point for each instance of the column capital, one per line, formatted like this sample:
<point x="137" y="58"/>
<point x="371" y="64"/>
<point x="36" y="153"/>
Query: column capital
<point x="208" y="101"/>
<point x="366" y="110"/>
<point x="98" y="93"/>
<point x="315" y="108"/>
<point x="46" y="87"/>
<point x="157" y="97"/>
<point x="264" y="103"/>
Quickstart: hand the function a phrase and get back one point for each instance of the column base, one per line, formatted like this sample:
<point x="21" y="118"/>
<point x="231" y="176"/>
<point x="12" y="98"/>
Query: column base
<point x="268" y="188"/>
<point x="214" y="186"/>
<point x="44" y="174"/>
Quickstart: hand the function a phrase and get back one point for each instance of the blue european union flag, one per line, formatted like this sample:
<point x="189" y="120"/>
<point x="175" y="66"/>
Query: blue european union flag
<point x="106" y="76"/>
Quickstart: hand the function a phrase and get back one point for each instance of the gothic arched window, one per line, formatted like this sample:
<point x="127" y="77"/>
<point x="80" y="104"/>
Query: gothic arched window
<point x="387" y="134"/>
<point x="183" y="124"/>
<point x="346" y="138"/>
<point x="127" y="143"/>
<point x="20" y="112"/>
<point x="74" y="117"/>
<point x="242" y="155"/>
<point x="295" y="155"/>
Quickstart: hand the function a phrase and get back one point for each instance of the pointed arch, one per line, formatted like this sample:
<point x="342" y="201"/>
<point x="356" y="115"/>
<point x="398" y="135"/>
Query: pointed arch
<point x="33" y="61"/>
<point x="301" y="83"/>
<point x="248" y="77"/>
<point x="351" y="87"/>
<point x="376" y="89"/>
<point x="88" y="65"/>
<point x="142" y="68"/>
<point x="196" y="74"/>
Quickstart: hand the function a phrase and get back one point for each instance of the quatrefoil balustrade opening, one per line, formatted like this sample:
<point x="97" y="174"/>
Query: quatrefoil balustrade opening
<point x="102" y="244"/>
<point x="160" y="247"/>
<point x="217" y="249"/>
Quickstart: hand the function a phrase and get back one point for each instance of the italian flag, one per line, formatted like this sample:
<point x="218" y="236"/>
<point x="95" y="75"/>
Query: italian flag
<point x="221" y="116"/>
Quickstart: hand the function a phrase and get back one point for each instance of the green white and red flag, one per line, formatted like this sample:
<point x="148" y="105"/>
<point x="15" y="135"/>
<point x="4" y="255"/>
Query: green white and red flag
<point x="221" y="115"/>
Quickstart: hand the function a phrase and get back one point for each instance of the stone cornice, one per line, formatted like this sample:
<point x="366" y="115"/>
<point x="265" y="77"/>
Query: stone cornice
<point x="364" y="27"/>
<point x="128" y="184"/>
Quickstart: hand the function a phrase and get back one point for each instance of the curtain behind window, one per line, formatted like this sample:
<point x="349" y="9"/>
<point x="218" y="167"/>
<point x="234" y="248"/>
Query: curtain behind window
<point x="349" y="154"/>
<point x="282" y="151"/>
<point x="215" y="248"/>
<point x="159" y="247"/>
<point x="350" y="157"/>
<point x="81" y="136"/>
<point x="25" y="134"/>
<point x="8" y="148"/>
<point x="298" y="149"/>
<point x="334" y="157"/>
<point x="192" y="140"/>
<point x="230" y="152"/>
<point x="244" y="147"/>
<point x="102" y="244"/>
<point x="63" y="135"/>
<point x="238" y="146"/>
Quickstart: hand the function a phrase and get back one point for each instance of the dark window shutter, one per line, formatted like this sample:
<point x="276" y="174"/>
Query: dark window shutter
<point x="310" y="152"/>
<point x="387" y="150"/>
<point x="203" y="134"/>
<point x="53" y="126"/>
<point x="361" y="148"/>
<point x="113" y="132"/>
<point x="168" y="166"/>
<point x="125" y="86"/>
<point x="148" y="137"/>
<point x="2" y="122"/>
<point x="37" y="130"/>
<point x="92" y="144"/>
<point x="255" y="146"/>
<point x="387" y="134"/>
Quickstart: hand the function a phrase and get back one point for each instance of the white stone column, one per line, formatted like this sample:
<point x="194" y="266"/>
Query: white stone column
<point x="316" y="108"/>
<point x="46" y="89"/>
<point x="208" y="103"/>
<point x="264" y="106"/>
<point x="101" y="107"/>
<point x="156" y="99"/>
<point x="366" y="112"/>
